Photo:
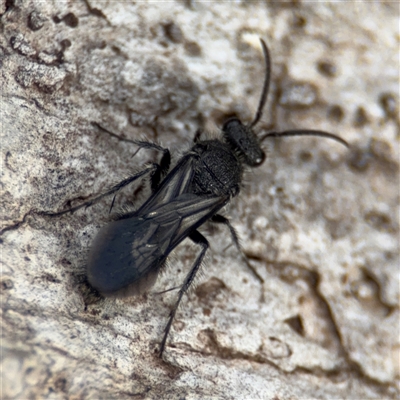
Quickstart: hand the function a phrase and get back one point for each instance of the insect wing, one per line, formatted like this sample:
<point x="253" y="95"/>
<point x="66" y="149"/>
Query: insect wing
<point x="177" y="182"/>
<point x="190" y="210"/>
<point x="125" y="257"/>
<point x="127" y="254"/>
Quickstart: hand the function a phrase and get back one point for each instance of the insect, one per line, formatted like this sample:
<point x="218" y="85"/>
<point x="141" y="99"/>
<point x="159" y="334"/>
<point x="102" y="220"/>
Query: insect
<point x="128" y="253"/>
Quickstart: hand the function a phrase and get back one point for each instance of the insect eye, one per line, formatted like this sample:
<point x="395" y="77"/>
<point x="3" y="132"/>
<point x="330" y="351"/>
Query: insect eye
<point x="259" y="159"/>
<point x="243" y="140"/>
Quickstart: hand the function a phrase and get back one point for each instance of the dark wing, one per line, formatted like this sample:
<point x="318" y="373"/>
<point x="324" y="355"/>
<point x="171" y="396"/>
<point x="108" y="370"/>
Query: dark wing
<point x="176" y="183"/>
<point x="127" y="254"/>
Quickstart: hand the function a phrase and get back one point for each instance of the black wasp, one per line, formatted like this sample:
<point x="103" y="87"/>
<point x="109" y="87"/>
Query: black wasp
<point x="128" y="253"/>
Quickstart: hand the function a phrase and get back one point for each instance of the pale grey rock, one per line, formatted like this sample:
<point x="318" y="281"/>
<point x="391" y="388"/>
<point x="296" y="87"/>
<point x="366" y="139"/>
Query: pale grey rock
<point x="319" y="222"/>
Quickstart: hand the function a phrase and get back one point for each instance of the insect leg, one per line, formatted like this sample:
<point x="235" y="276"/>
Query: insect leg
<point x="160" y="170"/>
<point x="197" y="135"/>
<point x="163" y="166"/>
<point x="114" y="189"/>
<point x="199" y="239"/>
<point x="220" y="219"/>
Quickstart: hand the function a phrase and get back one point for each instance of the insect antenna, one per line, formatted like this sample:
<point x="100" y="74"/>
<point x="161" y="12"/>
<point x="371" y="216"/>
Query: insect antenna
<point x="263" y="99"/>
<point x="305" y="132"/>
<point x="265" y="89"/>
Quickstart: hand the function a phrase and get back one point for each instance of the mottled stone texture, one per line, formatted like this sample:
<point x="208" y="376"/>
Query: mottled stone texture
<point x="319" y="222"/>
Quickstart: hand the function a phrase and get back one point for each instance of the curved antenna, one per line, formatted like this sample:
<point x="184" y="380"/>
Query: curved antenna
<point x="305" y="132"/>
<point x="265" y="89"/>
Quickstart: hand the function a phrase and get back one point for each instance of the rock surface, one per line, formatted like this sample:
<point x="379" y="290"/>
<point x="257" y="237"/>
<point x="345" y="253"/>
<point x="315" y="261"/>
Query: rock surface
<point x="319" y="222"/>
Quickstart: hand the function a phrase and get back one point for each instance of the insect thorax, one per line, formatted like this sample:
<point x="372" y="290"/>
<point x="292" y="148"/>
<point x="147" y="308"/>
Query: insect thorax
<point x="218" y="170"/>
